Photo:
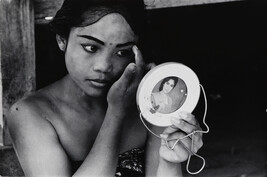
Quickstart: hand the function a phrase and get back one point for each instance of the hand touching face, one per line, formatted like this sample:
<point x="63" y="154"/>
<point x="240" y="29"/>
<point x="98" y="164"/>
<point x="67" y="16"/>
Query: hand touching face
<point x="96" y="55"/>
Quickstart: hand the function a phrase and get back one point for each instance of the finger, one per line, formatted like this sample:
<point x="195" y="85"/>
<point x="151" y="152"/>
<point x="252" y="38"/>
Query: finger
<point x="176" y="139"/>
<point x="197" y="139"/>
<point x="190" y="142"/>
<point x="184" y="126"/>
<point x="188" y="128"/>
<point x="138" y="57"/>
<point x="150" y="66"/>
<point x="191" y="145"/>
<point x="190" y="118"/>
<point x="184" y="142"/>
<point x="125" y="79"/>
<point x="170" y="130"/>
<point x="163" y="139"/>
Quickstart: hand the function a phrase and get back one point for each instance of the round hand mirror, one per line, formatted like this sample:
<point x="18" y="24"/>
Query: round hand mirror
<point x="166" y="90"/>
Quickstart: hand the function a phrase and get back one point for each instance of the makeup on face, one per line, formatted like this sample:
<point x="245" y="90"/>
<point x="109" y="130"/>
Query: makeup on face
<point x="99" y="53"/>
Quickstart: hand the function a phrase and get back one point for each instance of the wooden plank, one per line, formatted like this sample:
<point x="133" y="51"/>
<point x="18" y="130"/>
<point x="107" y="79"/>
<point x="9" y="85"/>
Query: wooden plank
<point x="155" y="4"/>
<point x="1" y="106"/>
<point x="45" y="8"/>
<point x="48" y="8"/>
<point x="17" y="53"/>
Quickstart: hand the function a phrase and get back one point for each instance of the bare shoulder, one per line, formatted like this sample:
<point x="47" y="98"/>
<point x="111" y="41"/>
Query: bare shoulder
<point x="33" y="104"/>
<point x="35" y="139"/>
<point x="29" y="114"/>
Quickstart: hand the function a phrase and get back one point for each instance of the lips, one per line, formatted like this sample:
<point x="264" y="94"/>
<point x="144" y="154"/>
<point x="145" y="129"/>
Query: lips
<point x="99" y="83"/>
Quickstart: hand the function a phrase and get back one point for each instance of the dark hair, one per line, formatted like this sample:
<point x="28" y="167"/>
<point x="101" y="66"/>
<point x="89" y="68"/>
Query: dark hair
<point x="72" y="14"/>
<point x="175" y="79"/>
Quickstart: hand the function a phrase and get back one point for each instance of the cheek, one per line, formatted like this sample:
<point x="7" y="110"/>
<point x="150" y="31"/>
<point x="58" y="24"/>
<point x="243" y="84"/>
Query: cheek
<point x="75" y="63"/>
<point x="70" y="64"/>
<point x="119" y="67"/>
<point x="74" y="53"/>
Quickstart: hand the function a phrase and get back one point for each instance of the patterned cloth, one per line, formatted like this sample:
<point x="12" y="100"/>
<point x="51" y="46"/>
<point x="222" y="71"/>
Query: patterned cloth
<point x="131" y="163"/>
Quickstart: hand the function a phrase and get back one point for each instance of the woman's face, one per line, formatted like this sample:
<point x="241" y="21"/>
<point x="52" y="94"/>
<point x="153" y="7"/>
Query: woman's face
<point x="168" y="86"/>
<point x="97" y="54"/>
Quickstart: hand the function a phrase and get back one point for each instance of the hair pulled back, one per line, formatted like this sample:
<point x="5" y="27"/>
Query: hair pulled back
<point x="175" y="79"/>
<point x="79" y="13"/>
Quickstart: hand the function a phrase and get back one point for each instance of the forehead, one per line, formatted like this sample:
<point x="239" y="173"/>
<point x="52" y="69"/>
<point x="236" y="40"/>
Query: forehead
<point x="111" y="27"/>
<point x="170" y="81"/>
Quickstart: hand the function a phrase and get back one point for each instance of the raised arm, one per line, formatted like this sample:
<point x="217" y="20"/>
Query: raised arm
<point x="103" y="157"/>
<point x="105" y="151"/>
<point x="39" y="149"/>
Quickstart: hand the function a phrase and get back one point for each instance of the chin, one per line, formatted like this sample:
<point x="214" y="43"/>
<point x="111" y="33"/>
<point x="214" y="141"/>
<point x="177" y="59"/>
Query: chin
<point x="96" y="93"/>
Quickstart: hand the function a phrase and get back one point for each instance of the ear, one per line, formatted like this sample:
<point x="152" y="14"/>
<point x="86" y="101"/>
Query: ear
<point x="62" y="42"/>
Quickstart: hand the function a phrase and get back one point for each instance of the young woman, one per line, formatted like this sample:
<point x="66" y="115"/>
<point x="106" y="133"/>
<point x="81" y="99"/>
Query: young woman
<point x="161" y="100"/>
<point x="83" y="124"/>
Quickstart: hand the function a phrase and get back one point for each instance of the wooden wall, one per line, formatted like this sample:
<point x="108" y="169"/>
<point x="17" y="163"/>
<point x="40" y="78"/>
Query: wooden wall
<point x="155" y="4"/>
<point x="48" y="8"/>
<point x="17" y="54"/>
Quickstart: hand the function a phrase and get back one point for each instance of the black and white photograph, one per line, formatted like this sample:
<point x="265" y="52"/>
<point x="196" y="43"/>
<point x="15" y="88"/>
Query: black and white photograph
<point x="133" y="88"/>
<point x="168" y="95"/>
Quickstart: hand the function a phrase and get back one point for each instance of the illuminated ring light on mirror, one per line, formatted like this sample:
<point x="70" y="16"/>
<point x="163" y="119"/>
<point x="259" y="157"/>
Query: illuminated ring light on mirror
<point x="153" y="78"/>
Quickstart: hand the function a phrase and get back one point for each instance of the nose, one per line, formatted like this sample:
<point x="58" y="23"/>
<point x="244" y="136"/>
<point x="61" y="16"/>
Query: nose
<point x="169" y="87"/>
<point x="102" y="64"/>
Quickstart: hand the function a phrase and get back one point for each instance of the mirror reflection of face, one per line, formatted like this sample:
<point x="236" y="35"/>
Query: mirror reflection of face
<point x="168" y="86"/>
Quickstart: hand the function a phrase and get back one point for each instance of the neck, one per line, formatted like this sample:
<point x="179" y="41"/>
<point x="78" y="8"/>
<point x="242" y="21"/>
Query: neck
<point x="70" y="92"/>
<point x="162" y="92"/>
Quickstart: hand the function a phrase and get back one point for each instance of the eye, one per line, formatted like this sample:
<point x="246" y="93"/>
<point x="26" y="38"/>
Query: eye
<point x="125" y="53"/>
<point x="90" y="48"/>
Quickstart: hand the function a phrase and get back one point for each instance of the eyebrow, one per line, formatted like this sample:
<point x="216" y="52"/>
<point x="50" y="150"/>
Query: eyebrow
<point x="92" y="38"/>
<point x="126" y="44"/>
<point x="103" y="43"/>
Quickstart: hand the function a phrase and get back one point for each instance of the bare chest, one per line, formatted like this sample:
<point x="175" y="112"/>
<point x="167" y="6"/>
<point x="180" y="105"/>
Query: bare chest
<point x="77" y="132"/>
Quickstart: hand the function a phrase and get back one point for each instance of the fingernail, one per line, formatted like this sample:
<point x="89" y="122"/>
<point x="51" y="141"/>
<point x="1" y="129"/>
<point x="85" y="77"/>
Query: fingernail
<point x="176" y="120"/>
<point x="182" y="115"/>
<point x="163" y="136"/>
<point x="136" y="47"/>
<point x="133" y="69"/>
